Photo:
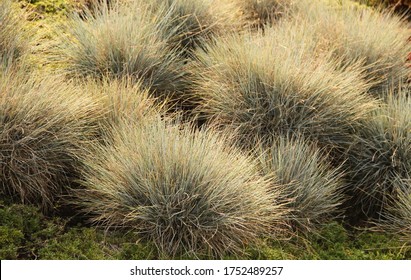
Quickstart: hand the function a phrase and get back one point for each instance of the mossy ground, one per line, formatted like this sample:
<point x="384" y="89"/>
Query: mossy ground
<point x="25" y="233"/>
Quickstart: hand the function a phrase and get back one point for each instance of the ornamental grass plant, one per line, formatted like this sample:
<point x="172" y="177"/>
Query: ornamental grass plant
<point x="381" y="155"/>
<point x="13" y="41"/>
<point x="259" y="13"/>
<point x="378" y="39"/>
<point x="311" y="186"/>
<point x="269" y="85"/>
<point x="123" y="41"/>
<point x="123" y="100"/>
<point x="397" y="216"/>
<point x="45" y="124"/>
<point x="186" y="191"/>
<point x="194" y="21"/>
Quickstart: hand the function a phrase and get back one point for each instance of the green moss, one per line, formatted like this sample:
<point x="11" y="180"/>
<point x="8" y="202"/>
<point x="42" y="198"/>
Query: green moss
<point x="137" y="251"/>
<point x="334" y="242"/>
<point x="43" y="8"/>
<point x="27" y="234"/>
<point x="24" y="229"/>
<point x="10" y="242"/>
<point x="78" y="244"/>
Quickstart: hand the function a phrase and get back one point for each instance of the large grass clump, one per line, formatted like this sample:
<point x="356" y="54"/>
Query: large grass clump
<point x="265" y="86"/>
<point x="185" y="190"/>
<point x="13" y="40"/>
<point x="380" y="155"/>
<point x="378" y="39"/>
<point x="125" y="40"/>
<point x="311" y="186"/>
<point x="44" y="125"/>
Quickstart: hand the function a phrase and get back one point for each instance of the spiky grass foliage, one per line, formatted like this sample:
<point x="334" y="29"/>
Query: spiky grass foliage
<point x="13" y="41"/>
<point x="380" y="154"/>
<point x="379" y="40"/>
<point x="195" y="21"/>
<point x="311" y="186"/>
<point x="44" y="126"/>
<point x="263" y="12"/>
<point x="397" y="217"/>
<point x="123" y="100"/>
<point x="262" y="88"/>
<point x="124" y="40"/>
<point x="187" y="191"/>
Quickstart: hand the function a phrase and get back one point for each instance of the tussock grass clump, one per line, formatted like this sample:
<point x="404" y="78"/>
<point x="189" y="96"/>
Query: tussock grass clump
<point x="262" y="88"/>
<point x="380" y="155"/>
<point x="185" y="190"/>
<point x="123" y="100"/>
<point x="263" y="12"/>
<point x="123" y="41"/>
<point x="378" y="39"/>
<point x="44" y="126"/>
<point x="13" y="41"/>
<point x="310" y="184"/>
<point x="397" y="217"/>
<point x="195" y="21"/>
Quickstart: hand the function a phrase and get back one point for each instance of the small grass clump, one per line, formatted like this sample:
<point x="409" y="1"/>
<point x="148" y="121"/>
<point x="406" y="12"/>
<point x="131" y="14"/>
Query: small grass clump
<point x="44" y="125"/>
<point x="380" y="155"/>
<point x="397" y="216"/>
<point x="123" y="41"/>
<point x="186" y="191"/>
<point x="262" y="88"/>
<point x="195" y="21"/>
<point x="260" y="13"/>
<point x="13" y="40"/>
<point x="123" y="100"/>
<point x="311" y="186"/>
